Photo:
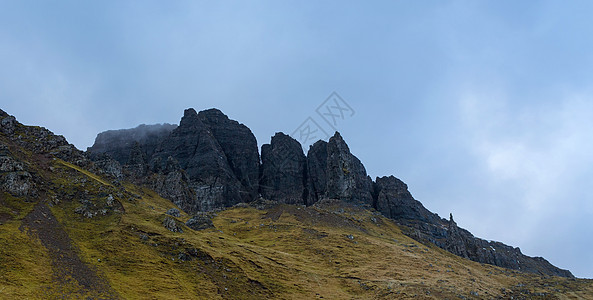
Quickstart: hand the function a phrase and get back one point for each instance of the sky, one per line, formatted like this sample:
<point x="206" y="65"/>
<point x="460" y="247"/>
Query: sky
<point x="484" y="108"/>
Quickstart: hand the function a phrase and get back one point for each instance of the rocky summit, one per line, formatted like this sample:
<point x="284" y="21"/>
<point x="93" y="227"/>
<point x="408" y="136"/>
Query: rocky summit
<point x="193" y="211"/>
<point x="222" y="163"/>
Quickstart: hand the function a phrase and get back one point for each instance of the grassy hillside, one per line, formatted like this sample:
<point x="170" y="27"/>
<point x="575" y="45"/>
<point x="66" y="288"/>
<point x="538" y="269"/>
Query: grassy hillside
<point x="78" y="235"/>
<point x="288" y="252"/>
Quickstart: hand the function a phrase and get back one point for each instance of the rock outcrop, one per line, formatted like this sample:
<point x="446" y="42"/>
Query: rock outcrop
<point x="284" y="170"/>
<point x="205" y="163"/>
<point x="347" y="179"/>
<point x="395" y="201"/>
<point x="198" y="152"/>
<point x="210" y="161"/>
<point x="14" y="177"/>
<point x="240" y="148"/>
<point x="118" y="144"/>
<point x="172" y="183"/>
<point x="335" y="173"/>
<point x="317" y="169"/>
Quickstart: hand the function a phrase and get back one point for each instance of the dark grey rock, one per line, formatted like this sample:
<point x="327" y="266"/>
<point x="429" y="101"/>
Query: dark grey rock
<point x="317" y="171"/>
<point x="171" y="225"/>
<point x="14" y="176"/>
<point x="240" y="148"/>
<point x="200" y="221"/>
<point x="335" y="173"/>
<point x="7" y="123"/>
<point x="119" y="143"/>
<point x="197" y="151"/>
<point x="347" y="179"/>
<point x="108" y="166"/>
<point x="284" y="166"/>
<point x="172" y="183"/>
<point x="394" y="201"/>
<point x="174" y="212"/>
<point x="137" y="166"/>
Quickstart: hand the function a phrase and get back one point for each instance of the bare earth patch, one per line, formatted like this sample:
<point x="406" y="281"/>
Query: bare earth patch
<point x="68" y="269"/>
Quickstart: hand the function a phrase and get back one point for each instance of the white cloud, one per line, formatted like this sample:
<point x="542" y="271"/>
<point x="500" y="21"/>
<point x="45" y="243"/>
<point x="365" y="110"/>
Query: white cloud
<point x="539" y="153"/>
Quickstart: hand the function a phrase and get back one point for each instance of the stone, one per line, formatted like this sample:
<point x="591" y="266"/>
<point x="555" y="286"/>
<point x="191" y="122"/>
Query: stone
<point x="347" y="179"/>
<point x="108" y="166"/>
<point x="394" y="201"/>
<point x="284" y="166"/>
<point x="171" y="225"/>
<point x="200" y="221"/>
<point x="317" y="171"/>
<point x="137" y="165"/>
<point x="8" y="124"/>
<point x="198" y="153"/>
<point x="240" y="148"/>
<point x="172" y="183"/>
<point x="118" y="144"/>
<point x="174" y="212"/>
<point x="14" y="177"/>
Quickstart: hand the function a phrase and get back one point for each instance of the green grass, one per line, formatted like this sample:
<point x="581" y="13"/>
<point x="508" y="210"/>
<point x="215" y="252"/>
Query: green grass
<point x="285" y="252"/>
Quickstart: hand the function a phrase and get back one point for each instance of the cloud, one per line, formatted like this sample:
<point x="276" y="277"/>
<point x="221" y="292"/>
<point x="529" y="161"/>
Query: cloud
<point x="536" y="157"/>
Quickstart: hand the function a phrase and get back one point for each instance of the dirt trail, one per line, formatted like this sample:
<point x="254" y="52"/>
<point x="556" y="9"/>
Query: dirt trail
<point x="67" y="266"/>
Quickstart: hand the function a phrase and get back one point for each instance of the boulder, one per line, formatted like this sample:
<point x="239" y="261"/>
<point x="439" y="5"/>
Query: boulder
<point x="200" y="221"/>
<point x="174" y="212"/>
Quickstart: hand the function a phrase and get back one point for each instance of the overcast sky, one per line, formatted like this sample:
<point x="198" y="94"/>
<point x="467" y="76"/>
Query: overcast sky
<point x="484" y="108"/>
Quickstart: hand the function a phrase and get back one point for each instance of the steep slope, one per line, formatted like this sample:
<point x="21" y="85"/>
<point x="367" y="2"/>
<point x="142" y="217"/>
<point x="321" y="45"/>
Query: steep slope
<point x="123" y="241"/>
<point x="211" y="162"/>
<point x="395" y="201"/>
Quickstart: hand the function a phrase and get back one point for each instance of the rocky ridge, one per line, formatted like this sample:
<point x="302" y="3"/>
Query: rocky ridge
<point x="210" y="162"/>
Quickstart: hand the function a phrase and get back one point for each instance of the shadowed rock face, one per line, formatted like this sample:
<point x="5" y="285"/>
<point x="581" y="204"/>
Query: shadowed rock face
<point x="283" y="169"/>
<point x="395" y="201"/>
<point x="118" y="144"/>
<point x="347" y="178"/>
<point x="316" y="167"/>
<point x="240" y="148"/>
<point x="336" y="173"/>
<point x="210" y="162"/>
<point x="198" y="152"/>
<point x="217" y="159"/>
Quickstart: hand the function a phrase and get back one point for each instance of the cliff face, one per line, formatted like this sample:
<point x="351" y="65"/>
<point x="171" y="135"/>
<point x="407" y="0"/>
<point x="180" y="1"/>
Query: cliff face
<point x="347" y="178"/>
<point x="239" y="145"/>
<point x="395" y="201"/>
<point x="197" y="151"/>
<point x="284" y="170"/>
<point x="210" y="162"/>
<point x="119" y="143"/>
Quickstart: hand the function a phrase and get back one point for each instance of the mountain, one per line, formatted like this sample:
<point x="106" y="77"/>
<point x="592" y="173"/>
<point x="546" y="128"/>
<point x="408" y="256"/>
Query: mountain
<point x="189" y="211"/>
<point x="221" y="159"/>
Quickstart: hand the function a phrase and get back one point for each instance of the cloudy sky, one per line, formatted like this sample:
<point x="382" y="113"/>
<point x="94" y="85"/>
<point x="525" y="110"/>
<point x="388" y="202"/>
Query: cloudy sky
<point x="484" y="108"/>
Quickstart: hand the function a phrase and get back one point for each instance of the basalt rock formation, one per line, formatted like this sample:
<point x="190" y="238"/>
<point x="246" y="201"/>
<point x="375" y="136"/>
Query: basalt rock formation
<point x="395" y="201"/>
<point x="240" y="148"/>
<point x="210" y="162"/>
<point x="347" y="179"/>
<point x="283" y="170"/>
<point x="119" y="143"/>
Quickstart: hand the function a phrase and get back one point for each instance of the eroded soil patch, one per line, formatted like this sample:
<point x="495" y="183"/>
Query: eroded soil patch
<point x="68" y="269"/>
